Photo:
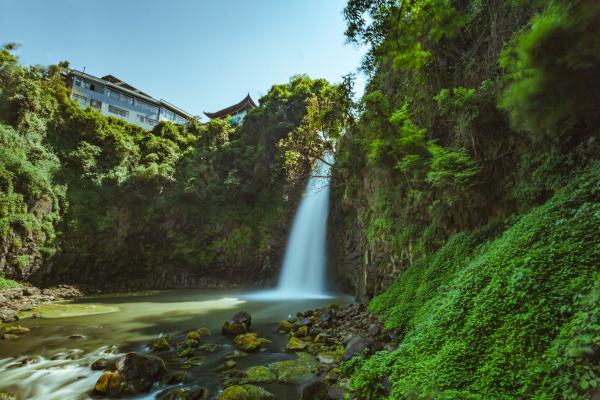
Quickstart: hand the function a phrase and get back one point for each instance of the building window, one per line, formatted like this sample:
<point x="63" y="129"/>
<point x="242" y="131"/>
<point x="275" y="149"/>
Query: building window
<point x="146" y="107"/>
<point x="82" y="100"/>
<point x="96" y="104"/>
<point x="146" y="120"/>
<point x="118" y="111"/>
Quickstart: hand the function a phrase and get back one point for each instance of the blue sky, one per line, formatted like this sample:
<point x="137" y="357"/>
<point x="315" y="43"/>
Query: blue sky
<point x="200" y="55"/>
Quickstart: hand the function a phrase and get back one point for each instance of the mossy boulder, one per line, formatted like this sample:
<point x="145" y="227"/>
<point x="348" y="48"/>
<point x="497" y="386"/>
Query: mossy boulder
<point x="329" y="357"/>
<point x="161" y="343"/>
<point x="285" y="326"/>
<point x="233" y="328"/>
<point x="133" y="374"/>
<point x="110" y="383"/>
<point x="193" y="336"/>
<point x="260" y="374"/>
<point x="295" y="344"/>
<point x="245" y="392"/>
<point x="249" y="342"/>
<point x="295" y="371"/>
<point x="238" y="324"/>
<point x="301" y="332"/>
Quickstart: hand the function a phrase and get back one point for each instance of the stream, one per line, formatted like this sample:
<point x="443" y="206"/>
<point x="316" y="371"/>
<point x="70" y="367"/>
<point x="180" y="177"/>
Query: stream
<point x="53" y="360"/>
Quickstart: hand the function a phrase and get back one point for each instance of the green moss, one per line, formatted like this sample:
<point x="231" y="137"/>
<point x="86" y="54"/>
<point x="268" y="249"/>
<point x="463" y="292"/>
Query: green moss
<point x="8" y="283"/>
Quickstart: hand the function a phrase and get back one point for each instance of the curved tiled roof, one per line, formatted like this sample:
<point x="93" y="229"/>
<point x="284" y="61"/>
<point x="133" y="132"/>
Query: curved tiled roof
<point x="246" y="104"/>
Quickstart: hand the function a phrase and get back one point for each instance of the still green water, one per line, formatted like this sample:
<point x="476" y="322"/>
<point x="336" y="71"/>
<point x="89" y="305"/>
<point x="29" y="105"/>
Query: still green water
<point x="53" y="360"/>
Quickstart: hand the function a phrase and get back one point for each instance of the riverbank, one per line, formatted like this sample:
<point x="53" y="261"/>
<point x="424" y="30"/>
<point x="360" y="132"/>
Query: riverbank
<point x="27" y="298"/>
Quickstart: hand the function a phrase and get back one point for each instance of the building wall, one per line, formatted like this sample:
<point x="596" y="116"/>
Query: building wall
<point x="113" y="103"/>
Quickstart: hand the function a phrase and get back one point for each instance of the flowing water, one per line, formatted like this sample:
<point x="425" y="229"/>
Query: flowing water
<point x="47" y="364"/>
<point x="304" y="266"/>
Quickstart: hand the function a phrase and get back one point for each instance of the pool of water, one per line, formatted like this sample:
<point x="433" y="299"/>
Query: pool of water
<point x="53" y="360"/>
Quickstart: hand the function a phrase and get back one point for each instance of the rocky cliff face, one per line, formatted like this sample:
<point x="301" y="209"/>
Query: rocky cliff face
<point x="363" y="267"/>
<point x="21" y="250"/>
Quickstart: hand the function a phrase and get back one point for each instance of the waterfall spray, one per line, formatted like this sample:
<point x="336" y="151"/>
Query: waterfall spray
<point x="305" y="261"/>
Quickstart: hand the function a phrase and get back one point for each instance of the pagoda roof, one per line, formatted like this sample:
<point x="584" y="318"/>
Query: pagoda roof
<point x="246" y="104"/>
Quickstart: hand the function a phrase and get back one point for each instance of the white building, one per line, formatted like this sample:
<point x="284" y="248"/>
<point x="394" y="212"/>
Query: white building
<point x="113" y="97"/>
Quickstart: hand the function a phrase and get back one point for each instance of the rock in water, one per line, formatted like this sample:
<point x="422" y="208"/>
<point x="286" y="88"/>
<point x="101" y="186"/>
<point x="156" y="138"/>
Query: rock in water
<point x="245" y="392"/>
<point x="133" y="374"/>
<point x="243" y="317"/>
<point x="184" y="393"/>
<point x="233" y="328"/>
<point x="285" y="326"/>
<point x="238" y="324"/>
<point x="295" y="371"/>
<point x="161" y="343"/>
<point x="99" y="364"/>
<point x="295" y="344"/>
<point x="249" y="342"/>
<point x="260" y="374"/>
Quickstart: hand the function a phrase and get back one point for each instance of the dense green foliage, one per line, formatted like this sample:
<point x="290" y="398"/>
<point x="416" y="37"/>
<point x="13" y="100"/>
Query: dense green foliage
<point x="499" y="313"/>
<point x="471" y="112"/>
<point x="476" y="115"/>
<point x="94" y="199"/>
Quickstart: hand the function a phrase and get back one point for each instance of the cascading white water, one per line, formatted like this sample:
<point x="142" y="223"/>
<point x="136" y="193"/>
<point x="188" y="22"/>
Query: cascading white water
<point x="305" y="260"/>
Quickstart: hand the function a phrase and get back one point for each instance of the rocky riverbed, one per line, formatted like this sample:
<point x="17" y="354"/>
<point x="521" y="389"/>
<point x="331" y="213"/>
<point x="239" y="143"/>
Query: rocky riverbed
<point x="247" y="355"/>
<point x="321" y="338"/>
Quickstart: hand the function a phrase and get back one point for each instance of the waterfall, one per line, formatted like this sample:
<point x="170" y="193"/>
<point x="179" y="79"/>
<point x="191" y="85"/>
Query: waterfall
<point x="305" y="260"/>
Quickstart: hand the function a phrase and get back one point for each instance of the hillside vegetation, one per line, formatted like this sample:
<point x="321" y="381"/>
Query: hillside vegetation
<point x="470" y="184"/>
<point x="90" y="199"/>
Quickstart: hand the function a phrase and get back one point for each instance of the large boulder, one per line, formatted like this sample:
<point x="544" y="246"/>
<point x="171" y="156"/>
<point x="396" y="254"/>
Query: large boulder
<point x="133" y="374"/>
<point x="295" y="371"/>
<point x="238" y="324"/>
<point x="260" y="374"/>
<point x="243" y="317"/>
<point x="7" y="315"/>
